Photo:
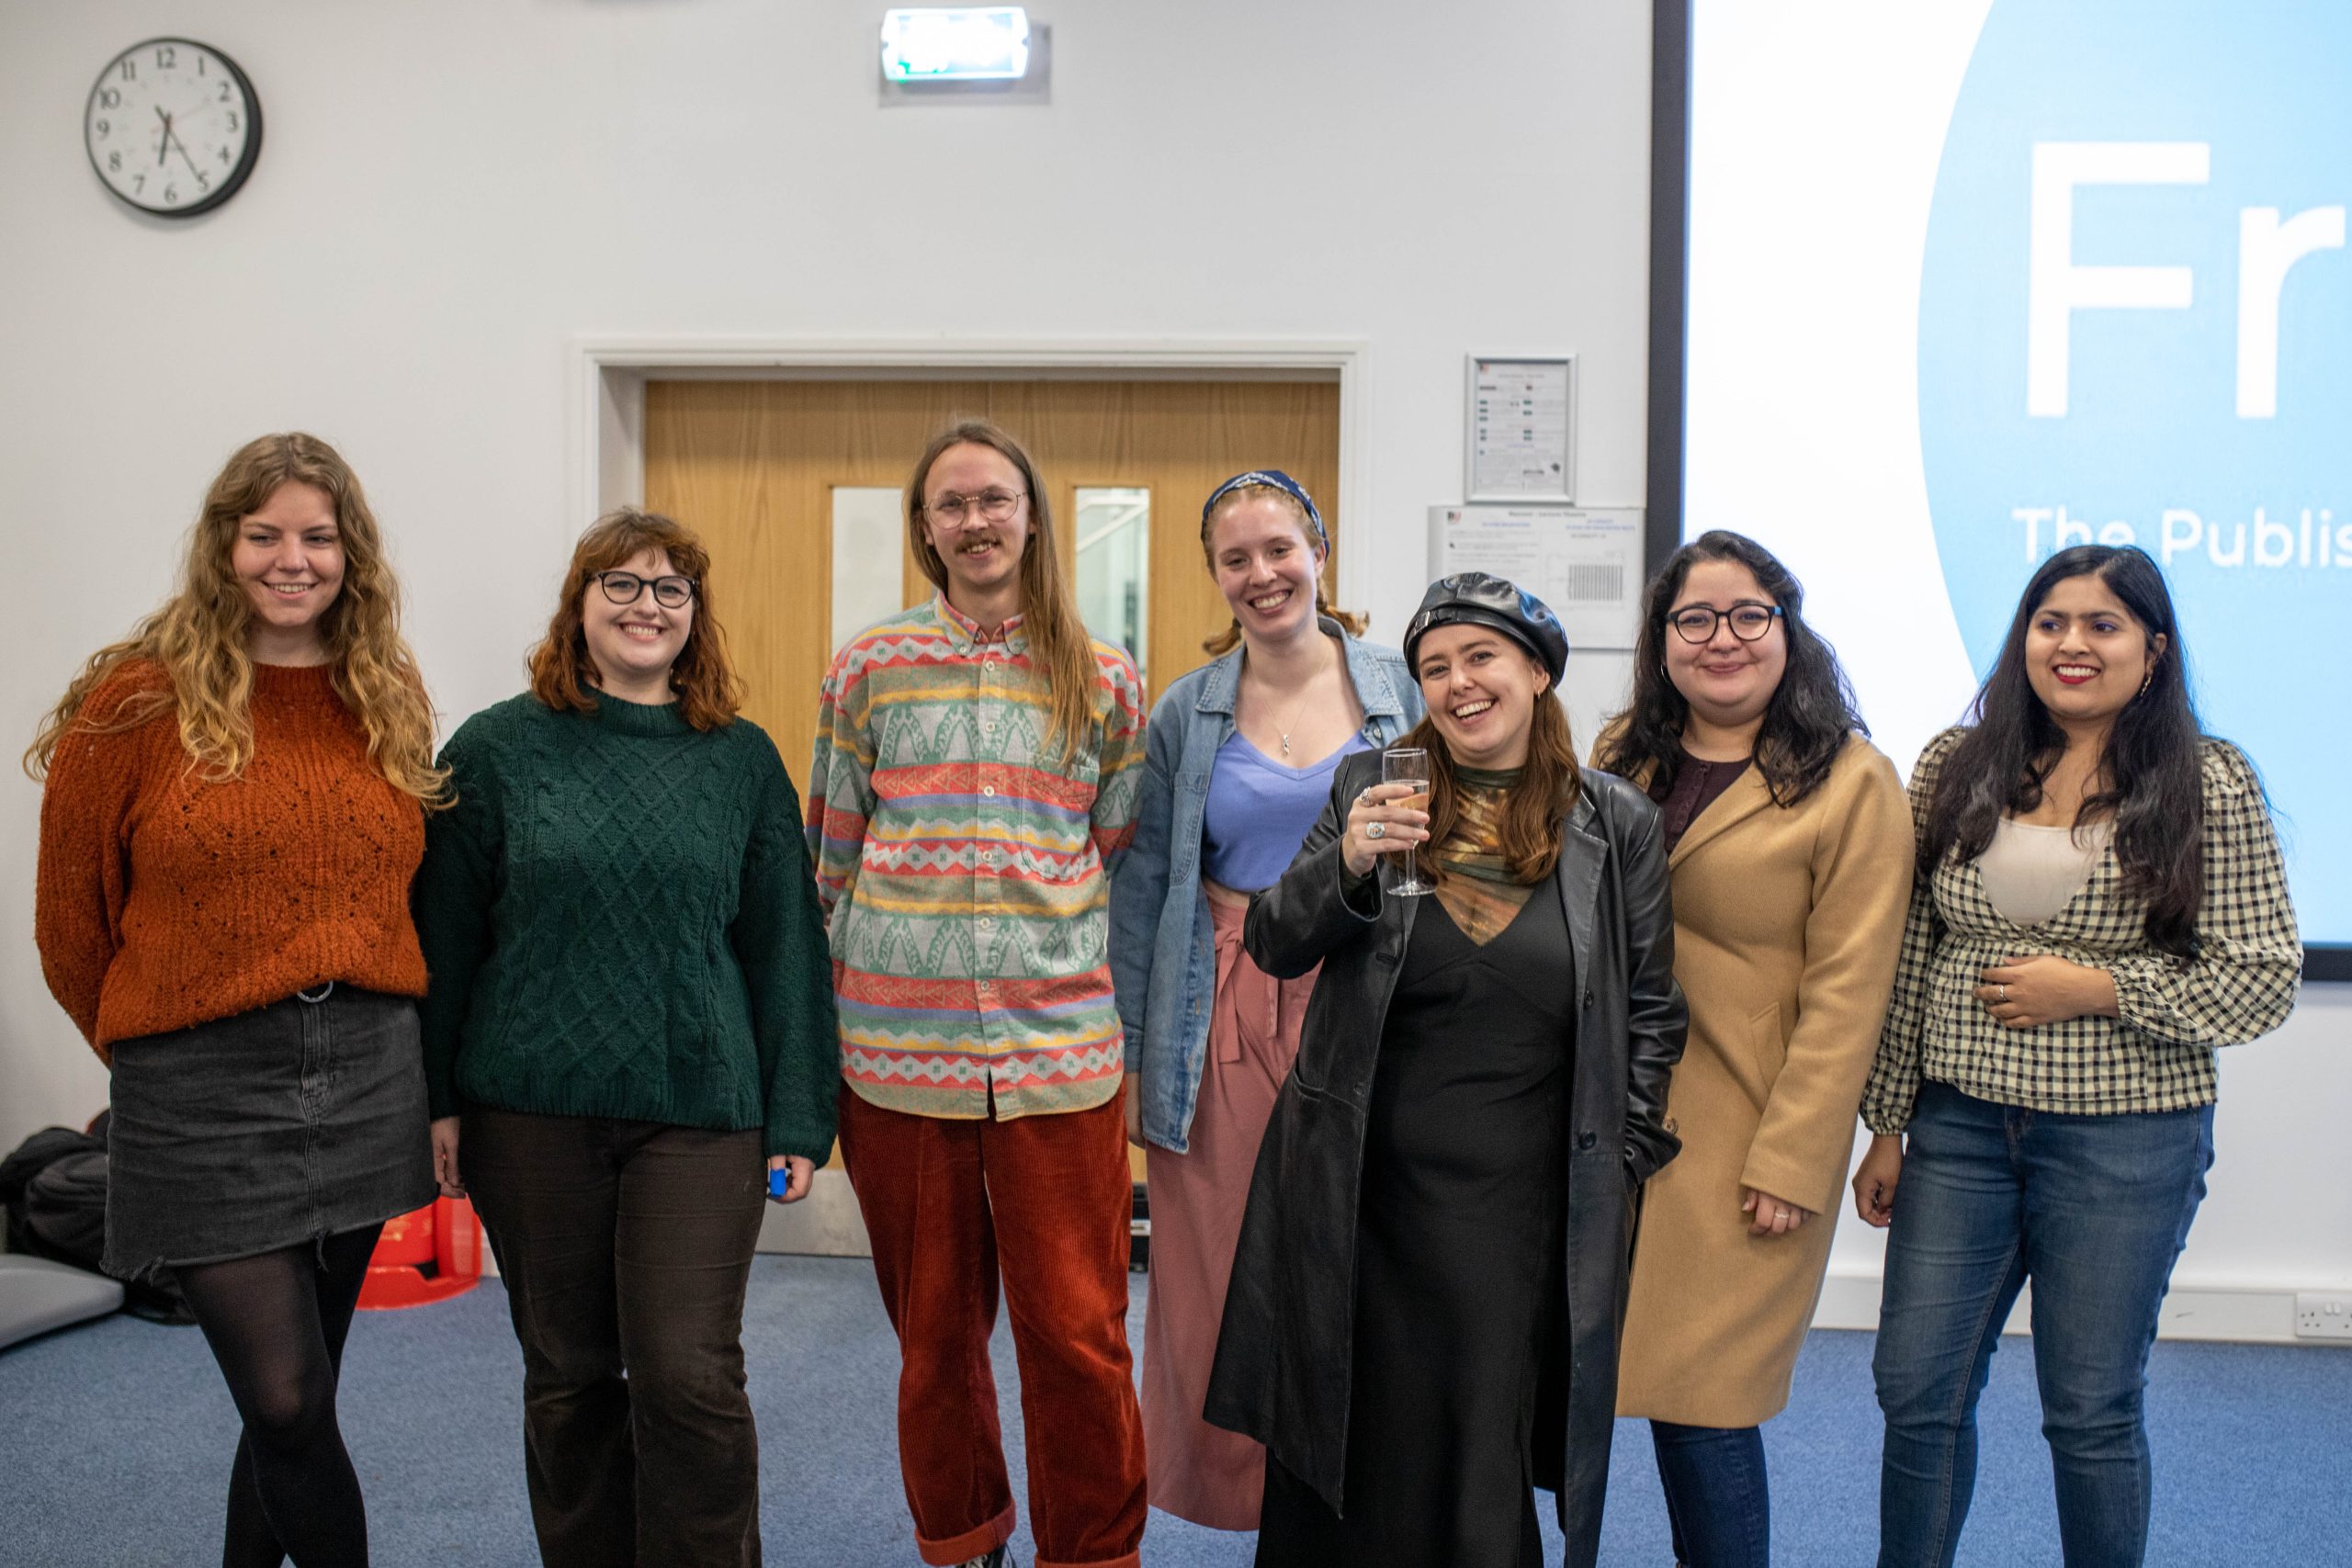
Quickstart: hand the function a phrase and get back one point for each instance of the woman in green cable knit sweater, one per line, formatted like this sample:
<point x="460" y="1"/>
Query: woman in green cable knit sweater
<point x="628" y="1025"/>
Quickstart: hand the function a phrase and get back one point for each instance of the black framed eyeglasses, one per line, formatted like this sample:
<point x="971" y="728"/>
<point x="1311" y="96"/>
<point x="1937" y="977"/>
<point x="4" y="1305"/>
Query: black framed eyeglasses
<point x="624" y="587"/>
<point x="993" y="506"/>
<point x="1749" y="622"/>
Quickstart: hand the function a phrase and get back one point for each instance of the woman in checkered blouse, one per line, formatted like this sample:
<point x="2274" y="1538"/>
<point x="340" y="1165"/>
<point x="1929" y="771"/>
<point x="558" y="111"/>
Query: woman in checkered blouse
<point x="2100" y="903"/>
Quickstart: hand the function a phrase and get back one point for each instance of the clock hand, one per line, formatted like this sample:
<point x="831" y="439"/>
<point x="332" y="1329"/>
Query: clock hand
<point x="163" y="148"/>
<point x="184" y="157"/>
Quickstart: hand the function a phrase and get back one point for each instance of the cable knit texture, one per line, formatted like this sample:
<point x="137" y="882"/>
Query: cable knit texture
<point x="621" y="922"/>
<point x="163" y="901"/>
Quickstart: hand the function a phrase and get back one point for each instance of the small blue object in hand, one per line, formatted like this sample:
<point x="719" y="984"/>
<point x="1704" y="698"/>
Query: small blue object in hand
<point x="778" y="1179"/>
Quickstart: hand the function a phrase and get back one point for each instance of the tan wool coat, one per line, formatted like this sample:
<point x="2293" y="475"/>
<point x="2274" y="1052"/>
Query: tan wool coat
<point x="1787" y="923"/>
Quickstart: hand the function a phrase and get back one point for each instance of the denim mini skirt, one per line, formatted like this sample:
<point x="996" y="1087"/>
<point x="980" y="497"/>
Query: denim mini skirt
<point x="273" y="1128"/>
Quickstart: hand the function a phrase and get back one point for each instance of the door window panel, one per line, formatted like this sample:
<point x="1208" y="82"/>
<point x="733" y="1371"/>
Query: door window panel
<point x="1113" y="562"/>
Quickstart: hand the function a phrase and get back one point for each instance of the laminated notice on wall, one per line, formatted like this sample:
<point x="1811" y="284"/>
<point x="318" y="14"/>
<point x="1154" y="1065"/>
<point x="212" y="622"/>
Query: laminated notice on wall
<point x="1520" y="441"/>
<point x="1585" y="562"/>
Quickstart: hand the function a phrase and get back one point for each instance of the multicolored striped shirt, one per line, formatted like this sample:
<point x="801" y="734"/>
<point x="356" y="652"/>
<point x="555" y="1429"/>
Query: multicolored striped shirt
<point x="964" y="869"/>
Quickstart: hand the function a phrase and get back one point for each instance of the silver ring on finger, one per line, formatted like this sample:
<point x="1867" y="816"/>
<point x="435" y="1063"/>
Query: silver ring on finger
<point x="1377" y="830"/>
<point x="2005" y="992"/>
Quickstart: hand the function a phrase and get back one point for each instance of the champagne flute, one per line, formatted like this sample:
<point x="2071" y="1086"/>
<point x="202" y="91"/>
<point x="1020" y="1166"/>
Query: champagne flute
<point x="1401" y="874"/>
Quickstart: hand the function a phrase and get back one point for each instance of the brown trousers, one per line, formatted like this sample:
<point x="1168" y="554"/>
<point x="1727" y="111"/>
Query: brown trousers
<point x="626" y="1248"/>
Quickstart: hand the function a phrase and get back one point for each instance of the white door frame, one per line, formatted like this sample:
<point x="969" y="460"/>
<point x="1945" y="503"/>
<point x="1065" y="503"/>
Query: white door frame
<point x="608" y="377"/>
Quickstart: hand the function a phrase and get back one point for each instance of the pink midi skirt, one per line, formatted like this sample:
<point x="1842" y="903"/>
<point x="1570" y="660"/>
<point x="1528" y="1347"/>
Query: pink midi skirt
<point x="1198" y="1471"/>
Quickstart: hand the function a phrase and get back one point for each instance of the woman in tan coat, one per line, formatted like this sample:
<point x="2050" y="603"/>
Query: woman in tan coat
<point x="1789" y="845"/>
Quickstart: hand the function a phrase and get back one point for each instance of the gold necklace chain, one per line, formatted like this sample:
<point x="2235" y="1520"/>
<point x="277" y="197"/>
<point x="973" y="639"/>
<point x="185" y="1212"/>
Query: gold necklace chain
<point x="1297" y="711"/>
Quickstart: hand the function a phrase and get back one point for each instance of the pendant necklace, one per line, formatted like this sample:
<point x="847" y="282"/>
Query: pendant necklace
<point x="1296" y="713"/>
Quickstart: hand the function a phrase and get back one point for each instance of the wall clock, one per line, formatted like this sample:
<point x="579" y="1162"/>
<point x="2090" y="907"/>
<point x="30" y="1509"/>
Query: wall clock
<point x="172" y="127"/>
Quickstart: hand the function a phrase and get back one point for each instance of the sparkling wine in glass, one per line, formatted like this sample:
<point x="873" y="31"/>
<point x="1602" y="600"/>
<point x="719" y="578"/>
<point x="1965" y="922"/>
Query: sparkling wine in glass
<point x="1401" y="874"/>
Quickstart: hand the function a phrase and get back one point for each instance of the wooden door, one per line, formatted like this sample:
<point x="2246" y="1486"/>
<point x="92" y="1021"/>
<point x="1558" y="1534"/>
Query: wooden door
<point x="1177" y="439"/>
<point x="751" y="466"/>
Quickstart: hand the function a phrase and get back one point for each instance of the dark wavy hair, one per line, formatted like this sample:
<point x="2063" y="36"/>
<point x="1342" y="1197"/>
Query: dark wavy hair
<point x="2148" y="781"/>
<point x="1806" y="723"/>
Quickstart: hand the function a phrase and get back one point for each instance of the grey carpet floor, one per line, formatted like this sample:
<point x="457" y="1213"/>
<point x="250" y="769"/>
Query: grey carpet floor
<point x="115" y="1440"/>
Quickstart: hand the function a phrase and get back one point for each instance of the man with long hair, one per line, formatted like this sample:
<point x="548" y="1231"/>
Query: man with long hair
<point x="975" y="775"/>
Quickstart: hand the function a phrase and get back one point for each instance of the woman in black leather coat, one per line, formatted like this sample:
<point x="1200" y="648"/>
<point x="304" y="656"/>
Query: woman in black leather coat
<point x="1424" y="1313"/>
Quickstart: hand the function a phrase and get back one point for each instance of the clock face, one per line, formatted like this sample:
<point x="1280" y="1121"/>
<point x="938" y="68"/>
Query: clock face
<point x="172" y="127"/>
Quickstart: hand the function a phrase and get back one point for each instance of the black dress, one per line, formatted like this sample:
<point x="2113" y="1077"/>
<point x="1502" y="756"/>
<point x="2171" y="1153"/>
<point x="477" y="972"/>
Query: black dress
<point x="1459" y="1267"/>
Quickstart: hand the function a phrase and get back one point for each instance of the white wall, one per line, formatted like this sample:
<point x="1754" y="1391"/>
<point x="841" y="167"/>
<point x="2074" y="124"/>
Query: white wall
<point x="453" y="191"/>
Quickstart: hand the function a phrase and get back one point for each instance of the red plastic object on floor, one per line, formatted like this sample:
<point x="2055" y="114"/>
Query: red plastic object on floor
<point x="427" y="1255"/>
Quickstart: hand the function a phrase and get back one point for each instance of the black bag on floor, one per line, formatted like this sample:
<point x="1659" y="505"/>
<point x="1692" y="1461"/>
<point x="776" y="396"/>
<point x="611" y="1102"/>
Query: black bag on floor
<point x="54" y="1186"/>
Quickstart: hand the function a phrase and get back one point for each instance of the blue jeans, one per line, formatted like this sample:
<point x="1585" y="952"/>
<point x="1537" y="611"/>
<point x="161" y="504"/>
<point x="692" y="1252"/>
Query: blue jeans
<point x="1716" y="1498"/>
<point x="2094" y="1210"/>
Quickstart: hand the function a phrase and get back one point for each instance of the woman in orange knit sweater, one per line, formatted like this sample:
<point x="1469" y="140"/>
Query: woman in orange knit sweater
<point x="235" y="806"/>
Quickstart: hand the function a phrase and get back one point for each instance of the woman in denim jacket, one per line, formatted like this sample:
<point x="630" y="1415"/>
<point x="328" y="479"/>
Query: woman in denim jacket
<point x="1239" y="757"/>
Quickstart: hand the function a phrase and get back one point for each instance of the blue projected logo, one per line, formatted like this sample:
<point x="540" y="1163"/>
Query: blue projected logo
<point x="2135" y="327"/>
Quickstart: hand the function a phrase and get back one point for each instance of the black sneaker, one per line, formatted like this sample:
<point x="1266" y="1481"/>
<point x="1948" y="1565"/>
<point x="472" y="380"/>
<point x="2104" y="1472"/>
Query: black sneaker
<point x="1000" y="1558"/>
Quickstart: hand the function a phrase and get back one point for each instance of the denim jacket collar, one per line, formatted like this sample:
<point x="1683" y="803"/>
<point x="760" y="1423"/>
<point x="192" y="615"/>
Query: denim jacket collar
<point x="1370" y="682"/>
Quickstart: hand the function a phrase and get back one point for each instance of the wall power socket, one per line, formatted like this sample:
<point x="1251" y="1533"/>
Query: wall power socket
<point x="2322" y="1316"/>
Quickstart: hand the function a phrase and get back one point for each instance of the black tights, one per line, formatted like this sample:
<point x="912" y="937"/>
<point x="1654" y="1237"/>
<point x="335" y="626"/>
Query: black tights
<point x="276" y="1324"/>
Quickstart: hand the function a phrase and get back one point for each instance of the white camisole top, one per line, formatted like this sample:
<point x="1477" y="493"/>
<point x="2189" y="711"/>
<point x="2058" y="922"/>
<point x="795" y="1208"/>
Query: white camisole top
<point x="2031" y="871"/>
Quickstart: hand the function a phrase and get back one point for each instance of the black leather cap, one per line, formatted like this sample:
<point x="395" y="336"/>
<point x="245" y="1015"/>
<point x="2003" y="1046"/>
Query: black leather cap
<point x="1479" y="598"/>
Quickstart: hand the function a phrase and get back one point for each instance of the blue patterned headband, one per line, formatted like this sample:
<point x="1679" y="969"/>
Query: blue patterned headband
<point x="1279" y="480"/>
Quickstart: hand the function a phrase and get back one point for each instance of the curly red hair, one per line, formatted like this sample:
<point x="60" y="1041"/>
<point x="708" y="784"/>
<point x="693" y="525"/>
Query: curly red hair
<point x="710" y="692"/>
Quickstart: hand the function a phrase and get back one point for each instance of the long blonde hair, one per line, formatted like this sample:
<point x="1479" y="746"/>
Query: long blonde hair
<point x="1060" y="649"/>
<point x="198" y="637"/>
<point x="1226" y="642"/>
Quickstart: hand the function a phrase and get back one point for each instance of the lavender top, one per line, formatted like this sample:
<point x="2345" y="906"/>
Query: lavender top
<point x="1259" y="812"/>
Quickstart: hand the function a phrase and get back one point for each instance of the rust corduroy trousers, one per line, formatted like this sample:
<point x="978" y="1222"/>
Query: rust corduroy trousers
<point x="1041" y="1202"/>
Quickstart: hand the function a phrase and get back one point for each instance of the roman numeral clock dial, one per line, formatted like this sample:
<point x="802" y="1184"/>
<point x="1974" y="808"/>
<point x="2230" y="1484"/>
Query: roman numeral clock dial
<point x="172" y="127"/>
